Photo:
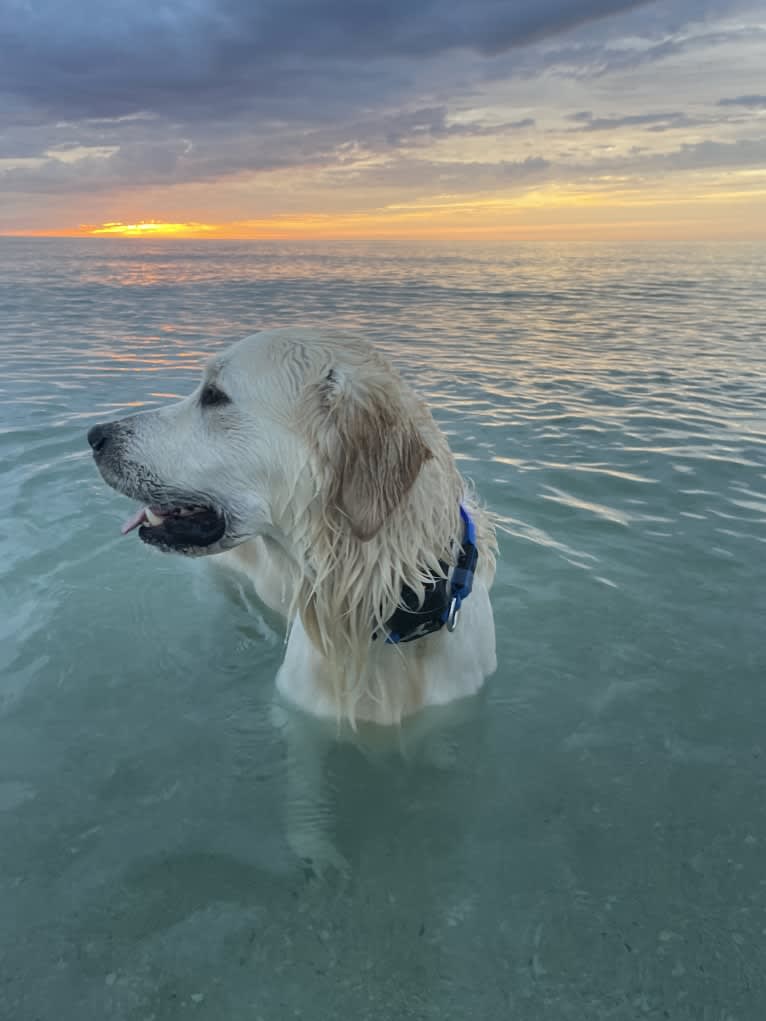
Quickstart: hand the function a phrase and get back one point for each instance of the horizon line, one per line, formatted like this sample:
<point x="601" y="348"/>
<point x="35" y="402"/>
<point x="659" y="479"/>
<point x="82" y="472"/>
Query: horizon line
<point x="409" y="239"/>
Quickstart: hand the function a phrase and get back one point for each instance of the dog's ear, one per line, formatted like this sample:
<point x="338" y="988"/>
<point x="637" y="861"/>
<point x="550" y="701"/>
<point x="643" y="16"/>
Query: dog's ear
<point x="372" y="447"/>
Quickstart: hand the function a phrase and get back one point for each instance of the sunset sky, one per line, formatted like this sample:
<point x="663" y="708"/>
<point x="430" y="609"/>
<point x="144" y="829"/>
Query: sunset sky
<point x="412" y="118"/>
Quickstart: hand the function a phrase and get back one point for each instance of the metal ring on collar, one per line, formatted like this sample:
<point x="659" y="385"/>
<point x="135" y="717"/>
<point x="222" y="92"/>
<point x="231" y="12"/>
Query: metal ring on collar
<point x="453" y="615"/>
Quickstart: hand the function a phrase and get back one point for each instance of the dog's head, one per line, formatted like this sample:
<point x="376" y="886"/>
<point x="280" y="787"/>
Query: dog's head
<point x="282" y="422"/>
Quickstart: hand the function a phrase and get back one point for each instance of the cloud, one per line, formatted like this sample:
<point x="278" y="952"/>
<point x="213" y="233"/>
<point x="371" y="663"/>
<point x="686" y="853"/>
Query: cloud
<point x="147" y="151"/>
<point x="95" y="58"/>
<point x="651" y="121"/>
<point x="423" y="126"/>
<point x="752" y="102"/>
<point x="599" y="53"/>
<point x="689" y="156"/>
<point x="710" y="155"/>
<point x="451" y="176"/>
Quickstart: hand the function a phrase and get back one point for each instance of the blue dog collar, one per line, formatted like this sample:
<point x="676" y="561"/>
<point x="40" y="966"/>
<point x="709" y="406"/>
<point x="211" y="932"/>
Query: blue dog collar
<point x="442" y="601"/>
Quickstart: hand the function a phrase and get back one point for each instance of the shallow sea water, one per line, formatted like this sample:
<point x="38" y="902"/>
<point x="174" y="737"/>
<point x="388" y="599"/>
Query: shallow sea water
<point x="586" y="840"/>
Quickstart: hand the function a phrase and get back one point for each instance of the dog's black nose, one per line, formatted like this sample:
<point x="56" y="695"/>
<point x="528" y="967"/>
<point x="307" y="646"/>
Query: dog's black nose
<point x="98" y="437"/>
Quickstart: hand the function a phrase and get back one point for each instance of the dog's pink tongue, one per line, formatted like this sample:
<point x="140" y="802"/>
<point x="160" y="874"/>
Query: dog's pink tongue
<point x="134" y="521"/>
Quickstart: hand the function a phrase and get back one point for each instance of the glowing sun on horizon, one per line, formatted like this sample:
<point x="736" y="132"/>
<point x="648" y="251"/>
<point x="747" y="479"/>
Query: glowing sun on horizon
<point x="142" y="228"/>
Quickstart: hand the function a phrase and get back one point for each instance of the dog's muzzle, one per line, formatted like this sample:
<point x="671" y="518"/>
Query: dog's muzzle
<point x="171" y="520"/>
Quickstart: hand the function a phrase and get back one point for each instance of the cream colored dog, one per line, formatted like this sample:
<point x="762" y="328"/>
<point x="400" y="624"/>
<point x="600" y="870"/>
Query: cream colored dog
<point x="304" y="461"/>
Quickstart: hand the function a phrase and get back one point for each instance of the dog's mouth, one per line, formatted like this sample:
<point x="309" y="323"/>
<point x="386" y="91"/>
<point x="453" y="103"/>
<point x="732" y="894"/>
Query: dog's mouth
<point x="177" y="527"/>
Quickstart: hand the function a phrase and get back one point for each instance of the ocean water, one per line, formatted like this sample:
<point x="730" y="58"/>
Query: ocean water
<point x="585" y="840"/>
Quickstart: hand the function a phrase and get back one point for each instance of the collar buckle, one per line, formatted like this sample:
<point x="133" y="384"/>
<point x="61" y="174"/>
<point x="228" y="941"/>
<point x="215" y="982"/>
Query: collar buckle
<point x="453" y="614"/>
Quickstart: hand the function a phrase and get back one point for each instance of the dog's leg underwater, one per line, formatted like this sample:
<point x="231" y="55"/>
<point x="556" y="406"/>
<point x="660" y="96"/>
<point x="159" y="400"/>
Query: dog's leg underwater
<point x="308" y="812"/>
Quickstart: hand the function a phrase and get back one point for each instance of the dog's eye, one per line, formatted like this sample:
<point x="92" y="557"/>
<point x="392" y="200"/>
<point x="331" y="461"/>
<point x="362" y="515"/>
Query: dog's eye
<point x="211" y="397"/>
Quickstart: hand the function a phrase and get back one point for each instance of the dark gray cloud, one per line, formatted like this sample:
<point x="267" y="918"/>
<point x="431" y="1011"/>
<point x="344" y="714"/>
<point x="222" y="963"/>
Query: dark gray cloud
<point x="214" y="57"/>
<point x="599" y="52"/>
<point x="165" y="162"/>
<point x="640" y="37"/>
<point x="651" y="121"/>
<point x="711" y="155"/>
<point x="424" y="126"/>
<point x="689" y="156"/>
<point x="751" y="102"/>
<point x="148" y="151"/>
<point x="452" y="177"/>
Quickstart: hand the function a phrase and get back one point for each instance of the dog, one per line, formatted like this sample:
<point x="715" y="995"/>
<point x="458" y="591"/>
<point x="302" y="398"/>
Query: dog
<point x="306" y="466"/>
<point x="304" y="461"/>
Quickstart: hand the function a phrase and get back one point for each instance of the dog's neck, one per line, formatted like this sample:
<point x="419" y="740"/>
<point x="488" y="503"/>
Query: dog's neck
<point x="347" y="588"/>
